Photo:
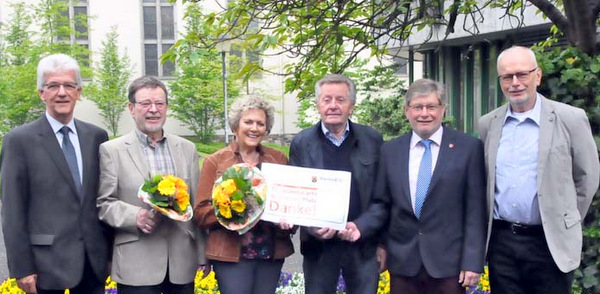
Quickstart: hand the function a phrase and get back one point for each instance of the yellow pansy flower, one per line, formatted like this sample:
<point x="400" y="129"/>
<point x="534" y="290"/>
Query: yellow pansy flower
<point x="220" y="196"/>
<point x="229" y="186"/>
<point x="181" y="184"/>
<point x="238" y="206"/>
<point x="166" y="186"/>
<point x="225" y="210"/>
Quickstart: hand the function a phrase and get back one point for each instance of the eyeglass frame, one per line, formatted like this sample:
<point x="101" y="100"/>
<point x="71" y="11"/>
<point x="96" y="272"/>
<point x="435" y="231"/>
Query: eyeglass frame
<point x="522" y="76"/>
<point x="147" y="104"/>
<point x="430" y="107"/>
<point x="68" y="86"/>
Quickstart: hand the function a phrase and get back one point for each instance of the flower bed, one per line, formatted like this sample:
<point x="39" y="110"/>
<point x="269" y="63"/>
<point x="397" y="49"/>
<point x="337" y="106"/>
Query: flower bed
<point x="288" y="284"/>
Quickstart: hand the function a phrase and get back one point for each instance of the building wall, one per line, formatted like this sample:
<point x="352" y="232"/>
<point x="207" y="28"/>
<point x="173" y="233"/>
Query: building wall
<point x="466" y="62"/>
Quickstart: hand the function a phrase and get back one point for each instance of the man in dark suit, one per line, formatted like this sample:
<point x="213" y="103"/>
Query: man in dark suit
<point x="335" y="143"/>
<point x="430" y="197"/>
<point x="49" y="168"/>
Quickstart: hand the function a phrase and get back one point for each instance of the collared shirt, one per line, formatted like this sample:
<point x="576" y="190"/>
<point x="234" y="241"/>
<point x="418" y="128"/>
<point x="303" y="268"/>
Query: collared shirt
<point x="157" y="155"/>
<point x="329" y="135"/>
<point x="56" y="126"/>
<point x="416" y="154"/>
<point x="516" y="167"/>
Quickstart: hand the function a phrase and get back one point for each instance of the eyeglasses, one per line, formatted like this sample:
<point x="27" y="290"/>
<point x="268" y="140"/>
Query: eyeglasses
<point x="146" y="104"/>
<point x="430" y="107"/>
<point x="521" y="76"/>
<point x="55" y="87"/>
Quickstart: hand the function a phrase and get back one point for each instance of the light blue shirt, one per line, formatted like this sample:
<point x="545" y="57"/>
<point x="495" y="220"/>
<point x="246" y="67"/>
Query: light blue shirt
<point x="56" y="126"/>
<point x="337" y="142"/>
<point x="516" y="167"/>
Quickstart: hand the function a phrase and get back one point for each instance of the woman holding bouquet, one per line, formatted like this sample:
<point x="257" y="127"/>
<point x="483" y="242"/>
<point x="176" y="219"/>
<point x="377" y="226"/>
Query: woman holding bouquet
<point x="250" y="262"/>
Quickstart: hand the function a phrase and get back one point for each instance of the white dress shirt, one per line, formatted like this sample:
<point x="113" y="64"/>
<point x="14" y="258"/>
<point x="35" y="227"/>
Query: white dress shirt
<point x="416" y="153"/>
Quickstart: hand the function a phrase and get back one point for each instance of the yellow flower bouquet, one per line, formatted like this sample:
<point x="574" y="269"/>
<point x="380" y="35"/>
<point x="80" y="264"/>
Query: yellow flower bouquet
<point x="168" y="195"/>
<point x="238" y="197"/>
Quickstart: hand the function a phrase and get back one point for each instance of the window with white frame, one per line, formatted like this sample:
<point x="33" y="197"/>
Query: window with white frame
<point x="401" y="65"/>
<point x="75" y="18"/>
<point x="158" y="18"/>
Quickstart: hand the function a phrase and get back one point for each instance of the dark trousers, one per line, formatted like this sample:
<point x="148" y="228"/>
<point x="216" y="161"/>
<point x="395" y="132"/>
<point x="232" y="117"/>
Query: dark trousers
<point x="166" y="287"/>
<point x="248" y="276"/>
<point x="520" y="263"/>
<point x="89" y="283"/>
<point x="359" y="269"/>
<point x="423" y="283"/>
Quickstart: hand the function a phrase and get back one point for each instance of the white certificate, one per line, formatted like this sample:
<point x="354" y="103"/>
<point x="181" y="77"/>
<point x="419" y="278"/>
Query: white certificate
<point x="306" y="196"/>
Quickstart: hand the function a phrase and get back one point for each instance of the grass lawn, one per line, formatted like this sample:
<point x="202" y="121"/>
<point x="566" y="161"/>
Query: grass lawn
<point x="206" y="149"/>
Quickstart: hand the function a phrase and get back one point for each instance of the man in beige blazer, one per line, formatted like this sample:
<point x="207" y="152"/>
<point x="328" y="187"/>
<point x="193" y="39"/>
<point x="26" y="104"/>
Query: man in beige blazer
<point x="151" y="253"/>
<point x="543" y="171"/>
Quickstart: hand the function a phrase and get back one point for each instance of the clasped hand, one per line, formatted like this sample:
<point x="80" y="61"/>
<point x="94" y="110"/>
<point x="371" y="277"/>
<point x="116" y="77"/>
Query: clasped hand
<point x="147" y="220"/>
<point x="351" y="233"/>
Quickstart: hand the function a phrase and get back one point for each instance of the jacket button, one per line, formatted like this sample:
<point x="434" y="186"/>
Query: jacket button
<point x="420" y="232"/>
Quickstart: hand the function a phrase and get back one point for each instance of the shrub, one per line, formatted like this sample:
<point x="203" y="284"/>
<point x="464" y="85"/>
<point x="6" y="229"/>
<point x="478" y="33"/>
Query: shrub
<point x="209" y="148"/>
<point x="572" y="77"/>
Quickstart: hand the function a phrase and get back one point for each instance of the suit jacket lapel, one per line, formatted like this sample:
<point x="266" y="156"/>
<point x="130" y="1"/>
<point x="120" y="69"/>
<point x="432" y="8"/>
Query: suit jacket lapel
<point x="402" y="162"/>
<point x="86" y="144"/>
<point x="49" y="142"/>
<point x="447" y="147"/>
<point x="547" y="119"/>
<point x="137" y="157"/>
<point x="176" y="155"/>
<point x="493" y="141"/>
<point x="314" y="149"/>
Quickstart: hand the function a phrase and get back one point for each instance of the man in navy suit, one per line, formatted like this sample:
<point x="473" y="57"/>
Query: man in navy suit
<point x="429" y="200"/>
<point x="49" y="167"/>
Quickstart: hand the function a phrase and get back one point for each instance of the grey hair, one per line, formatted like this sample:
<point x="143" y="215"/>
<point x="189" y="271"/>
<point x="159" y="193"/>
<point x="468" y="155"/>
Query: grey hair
<point x="516" y="48"/>
<point x="246" y="103"/>
<point x="336" y="79"/>
<point x="146" y="82"/>
<point x="424" y="87"/>
<point x="57" y="62"/>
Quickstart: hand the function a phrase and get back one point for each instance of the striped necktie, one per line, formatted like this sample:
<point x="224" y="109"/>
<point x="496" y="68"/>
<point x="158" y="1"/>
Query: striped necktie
<point x="70" y="156"/>
<point x="423" y="178"/>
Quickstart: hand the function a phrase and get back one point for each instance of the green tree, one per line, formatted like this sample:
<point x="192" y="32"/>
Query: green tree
<point x="21" y="48"/>
<point x="572" y="77"/>
<point x="19" y="101"/>
<point x="57" y="31"/>
<point x="319" y="32"/>
<point x="197" y="93"/>
<point x="382" y="106"/>
<point x="108" y="89"/>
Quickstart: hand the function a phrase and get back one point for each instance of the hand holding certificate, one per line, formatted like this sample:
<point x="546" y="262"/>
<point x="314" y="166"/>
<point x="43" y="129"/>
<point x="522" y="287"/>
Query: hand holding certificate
<point x="306" y="196"/>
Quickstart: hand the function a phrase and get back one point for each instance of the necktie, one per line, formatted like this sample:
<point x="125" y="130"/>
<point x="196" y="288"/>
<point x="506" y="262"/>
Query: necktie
<point x="423" y="178"/>
<point x="69" y="152"/>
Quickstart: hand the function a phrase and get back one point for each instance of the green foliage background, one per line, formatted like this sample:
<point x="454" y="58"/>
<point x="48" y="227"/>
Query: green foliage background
<point x="197" y="90"/>
<point x="108" y="88"/>
<point x="22" y="46"/>
<point x="572" y="77"/>
<point x="382" y="107"/>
